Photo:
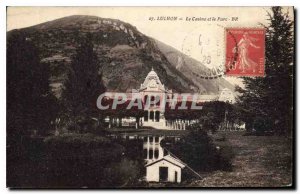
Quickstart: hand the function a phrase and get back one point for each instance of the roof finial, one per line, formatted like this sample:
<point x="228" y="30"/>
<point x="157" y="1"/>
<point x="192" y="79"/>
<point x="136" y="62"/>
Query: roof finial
<point x="152" y="69"/>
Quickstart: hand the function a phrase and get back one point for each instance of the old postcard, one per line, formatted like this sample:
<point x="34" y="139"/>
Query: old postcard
<point x="150" y="97"/>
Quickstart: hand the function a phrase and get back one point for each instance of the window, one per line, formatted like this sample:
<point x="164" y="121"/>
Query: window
<point x="156" y="153"/>
<point x="145" y="153"/>
<point x="151" y="139"/>
<point x="157" y="115"/>
<point x="146" y="99"/>
<point x="151" y="115"/>
<point x="157" y="100"/>
<point x="150" y="154"/>
<point x="152" y="101"/>
<point x="145" y="115"/>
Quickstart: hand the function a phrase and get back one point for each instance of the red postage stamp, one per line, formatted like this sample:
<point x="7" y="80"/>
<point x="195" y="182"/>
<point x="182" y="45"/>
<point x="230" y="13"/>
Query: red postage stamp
<point x="245" y="51"/>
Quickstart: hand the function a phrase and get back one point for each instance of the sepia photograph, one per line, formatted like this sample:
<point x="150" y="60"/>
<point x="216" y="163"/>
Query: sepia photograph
<point x="150" y="97"/>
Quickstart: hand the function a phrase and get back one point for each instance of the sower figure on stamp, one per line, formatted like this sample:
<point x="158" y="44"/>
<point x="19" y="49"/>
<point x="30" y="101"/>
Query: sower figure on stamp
<point x="242" y="49"/>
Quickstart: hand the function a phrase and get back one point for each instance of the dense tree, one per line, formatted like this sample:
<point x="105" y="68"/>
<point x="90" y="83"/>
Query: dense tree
<point x="83" y="86"/>
<point x="30" y="104"/>
<point x="269" y="100"/>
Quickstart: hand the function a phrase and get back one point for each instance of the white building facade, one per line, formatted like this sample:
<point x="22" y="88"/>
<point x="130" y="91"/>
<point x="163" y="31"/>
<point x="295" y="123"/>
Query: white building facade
<point x="152" y="90"/>
<point x="161" y="166"/>
<point x="166" y="169"/>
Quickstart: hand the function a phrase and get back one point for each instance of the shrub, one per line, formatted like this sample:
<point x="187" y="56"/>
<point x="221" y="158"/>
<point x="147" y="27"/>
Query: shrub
<point x="198" y="151"/>
<point x="122" y="174"/>
<point x="77" y="160"/>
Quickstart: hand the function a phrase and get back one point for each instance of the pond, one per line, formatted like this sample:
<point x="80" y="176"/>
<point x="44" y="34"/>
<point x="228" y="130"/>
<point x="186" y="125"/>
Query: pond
<point x="75" y="161"/>
<point x="160" y="164"/>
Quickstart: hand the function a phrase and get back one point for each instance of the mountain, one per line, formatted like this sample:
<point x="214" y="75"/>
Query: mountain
<point x="125" y="54"/>
<point x="192" y="69"/>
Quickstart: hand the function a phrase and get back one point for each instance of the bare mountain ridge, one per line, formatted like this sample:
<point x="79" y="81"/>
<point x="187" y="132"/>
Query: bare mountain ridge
<point x="126" y="55"/>
<point x="192" y="69"/>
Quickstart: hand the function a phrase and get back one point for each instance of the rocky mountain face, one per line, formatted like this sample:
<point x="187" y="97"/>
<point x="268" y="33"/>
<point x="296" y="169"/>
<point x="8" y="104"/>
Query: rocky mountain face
<point x="126" y="55"/>
<point x="193" y="69"/>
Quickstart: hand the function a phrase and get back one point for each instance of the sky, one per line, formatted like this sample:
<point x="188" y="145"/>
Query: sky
<point x="173" y="33"/>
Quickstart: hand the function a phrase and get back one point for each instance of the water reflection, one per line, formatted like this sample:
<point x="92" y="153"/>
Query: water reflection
<point x="161" y="165"/>
<point x="152" y="149"/>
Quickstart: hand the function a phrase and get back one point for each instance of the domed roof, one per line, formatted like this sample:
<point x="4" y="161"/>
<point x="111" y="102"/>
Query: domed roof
<point x="152" y="81"/>
<point x="152" y="73"/>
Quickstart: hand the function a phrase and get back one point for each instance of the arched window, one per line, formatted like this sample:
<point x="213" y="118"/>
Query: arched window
<point x="152" y="100"/>
<point x="157" y="100"/>
<point x="146" y="99"/>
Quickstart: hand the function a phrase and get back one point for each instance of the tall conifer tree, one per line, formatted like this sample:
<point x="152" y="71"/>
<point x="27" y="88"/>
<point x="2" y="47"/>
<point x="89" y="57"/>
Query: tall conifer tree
<point x="83" y="86"/>
<point x="269" y="100"/>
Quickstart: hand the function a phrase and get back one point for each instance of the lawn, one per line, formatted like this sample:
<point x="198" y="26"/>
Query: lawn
<point x="260" y="161"/>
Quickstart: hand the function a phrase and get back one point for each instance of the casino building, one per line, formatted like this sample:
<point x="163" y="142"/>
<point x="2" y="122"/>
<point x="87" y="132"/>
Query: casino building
<point x="152" y="89"/>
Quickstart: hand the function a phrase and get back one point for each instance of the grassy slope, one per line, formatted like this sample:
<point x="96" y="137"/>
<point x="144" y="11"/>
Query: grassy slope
<point x="264" y="161"/>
